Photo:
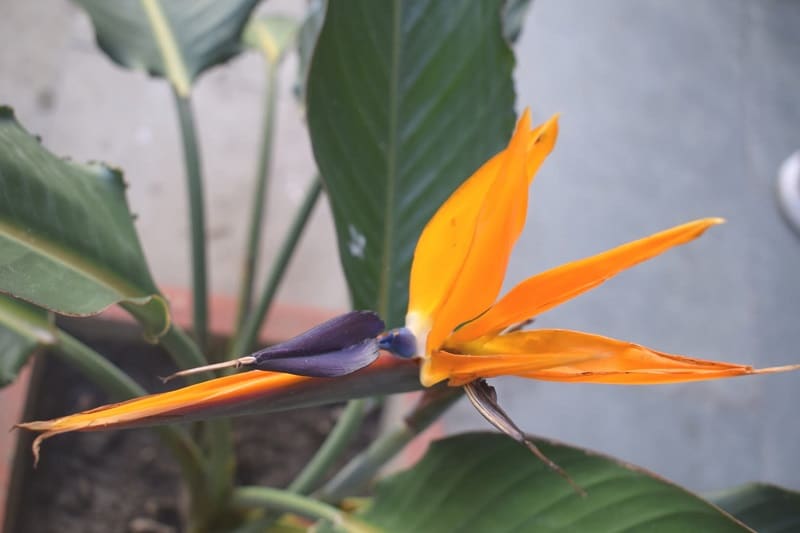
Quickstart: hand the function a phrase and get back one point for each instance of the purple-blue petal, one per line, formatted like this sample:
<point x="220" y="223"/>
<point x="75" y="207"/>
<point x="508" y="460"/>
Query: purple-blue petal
<point x="335" y="334"/>
<point x="399" y="341"/>
<point x="325" y="364"/>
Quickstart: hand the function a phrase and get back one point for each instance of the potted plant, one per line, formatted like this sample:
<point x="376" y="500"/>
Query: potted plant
<point x="429" y="195"/>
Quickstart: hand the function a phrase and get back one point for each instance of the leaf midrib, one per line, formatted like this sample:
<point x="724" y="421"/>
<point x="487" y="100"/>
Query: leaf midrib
<point x="391" y="164"/>
<point x="73" y="262"/>
<point x="167" y="43"/>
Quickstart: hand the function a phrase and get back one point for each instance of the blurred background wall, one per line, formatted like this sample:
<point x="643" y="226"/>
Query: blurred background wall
<point x="670" y="111"/>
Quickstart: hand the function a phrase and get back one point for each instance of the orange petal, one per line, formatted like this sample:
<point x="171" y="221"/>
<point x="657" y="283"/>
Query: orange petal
<point x="449" y="235"/>
<point x="553" y="287"/>
<point x="497" y="228"/>
<point x="443" y="245"/>
<point x="461" y="369"/>
<point x="596" y="359"/>
<point x="541" y="143"/>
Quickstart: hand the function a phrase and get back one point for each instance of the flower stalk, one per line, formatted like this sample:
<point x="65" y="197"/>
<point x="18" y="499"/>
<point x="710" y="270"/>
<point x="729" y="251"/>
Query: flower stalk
<point x="255" y="230"/>
<point x="194" y="183"/>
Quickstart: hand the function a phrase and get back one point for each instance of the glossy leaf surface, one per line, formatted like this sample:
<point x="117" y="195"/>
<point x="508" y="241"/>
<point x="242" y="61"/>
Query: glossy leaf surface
<point x="405" y="100"/>
<point x="765" y="508"/>
<point x="486" y="482"/>
<point x="195" y="34"/>
<point x="67" y="240"/>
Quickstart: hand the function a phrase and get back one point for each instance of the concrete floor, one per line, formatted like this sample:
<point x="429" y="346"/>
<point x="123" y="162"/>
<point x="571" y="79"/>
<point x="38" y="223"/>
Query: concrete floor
<point x="670" y="111"/>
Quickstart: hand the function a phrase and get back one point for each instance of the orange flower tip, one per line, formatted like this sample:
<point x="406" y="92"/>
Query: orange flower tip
<point x="552" y="121"/>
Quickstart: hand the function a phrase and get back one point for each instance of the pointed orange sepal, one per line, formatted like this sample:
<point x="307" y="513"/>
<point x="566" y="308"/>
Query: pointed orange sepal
<point x="544" y="291"/>
<point x="574" y="356"/>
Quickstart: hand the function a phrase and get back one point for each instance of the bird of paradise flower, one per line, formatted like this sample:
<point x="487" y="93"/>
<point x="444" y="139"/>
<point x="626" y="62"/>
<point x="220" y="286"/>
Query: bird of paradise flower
<point x="455" y="327"/>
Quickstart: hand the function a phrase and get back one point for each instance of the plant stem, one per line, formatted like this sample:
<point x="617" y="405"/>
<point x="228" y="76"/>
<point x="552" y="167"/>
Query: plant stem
<point x="281" y="500"/>
<point x="340" y="436"/>
<point x="259" y="199"/>
<point x="120" y="386"/>
<point x="249" y="334"/>
<point x="184" y="351"/>
<point x="218" y="472"/>
<point x="221" y="462"/>
<point x="194" y="180"/>
<point x="220" y="467"/>
<point x="362" y="468"/>
<point x="97" y="368"/>
<point x="343" y="432"/>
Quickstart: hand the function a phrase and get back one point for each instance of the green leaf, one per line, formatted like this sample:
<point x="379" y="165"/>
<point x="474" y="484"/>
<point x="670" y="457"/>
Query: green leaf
<point x="307" y="36"/>
<point x="487" y="482"/>
<point x="272" y="35"/>
<point x="405" y="100"/>
<point x="23" y="328"/>
<point x="177" y="39"/>
<point x="765" y="508"/>
<point x="67" y="241"/>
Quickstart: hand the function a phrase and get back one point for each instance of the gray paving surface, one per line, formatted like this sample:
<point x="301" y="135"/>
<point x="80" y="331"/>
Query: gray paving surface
<point x="670" y="111"/>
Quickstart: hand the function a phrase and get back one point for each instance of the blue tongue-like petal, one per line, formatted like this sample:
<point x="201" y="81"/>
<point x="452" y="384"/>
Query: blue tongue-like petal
<point x="337" y="347"/>
<point x="323" y="365"/>
<point x="334" y="348"/>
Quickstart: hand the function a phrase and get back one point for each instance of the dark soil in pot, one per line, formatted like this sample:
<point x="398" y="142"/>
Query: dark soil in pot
<point x="127" y="481"/>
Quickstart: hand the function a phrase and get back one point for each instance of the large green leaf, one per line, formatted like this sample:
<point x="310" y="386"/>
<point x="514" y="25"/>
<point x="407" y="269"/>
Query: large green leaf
<point x="405" y="100"/>
<point x="67" y="241"/>
<point x="23" y="328"/>
<point x="177" y="39"/>
<point x="765" y="508"/>
<point x="307" y="35"/>
<point x="486" y="482"/>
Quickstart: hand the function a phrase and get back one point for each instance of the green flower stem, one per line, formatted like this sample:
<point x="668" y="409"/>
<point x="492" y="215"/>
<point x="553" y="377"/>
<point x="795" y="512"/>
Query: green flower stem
<point x="249" y="334"/>
<point x="281" y="500"/>
<point x="363" y="468"/>
<point x="196" y="218"/>
<point x="120" y="386"/>
<point x="333" y="447"/>
<point x="259" y="199"/>
<point x="221" y="462"/>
